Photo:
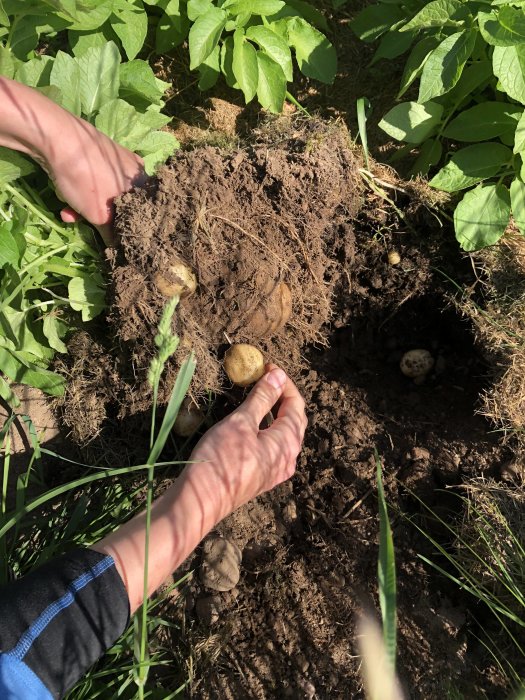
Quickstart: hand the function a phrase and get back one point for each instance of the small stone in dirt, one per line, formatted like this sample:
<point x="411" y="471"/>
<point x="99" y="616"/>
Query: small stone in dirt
<point x="290" y="512"/>
<point x="207" y="610"/>
<point x="220" y="567"/>
<point x="418" y="453"/>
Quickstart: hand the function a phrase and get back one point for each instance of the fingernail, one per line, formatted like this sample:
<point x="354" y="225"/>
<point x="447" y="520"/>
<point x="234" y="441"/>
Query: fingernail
<point x="276" y="378"/>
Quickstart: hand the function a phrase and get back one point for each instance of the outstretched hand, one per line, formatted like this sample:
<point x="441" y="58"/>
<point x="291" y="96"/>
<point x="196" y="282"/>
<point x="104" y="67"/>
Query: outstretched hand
<point x="236" y="460"/>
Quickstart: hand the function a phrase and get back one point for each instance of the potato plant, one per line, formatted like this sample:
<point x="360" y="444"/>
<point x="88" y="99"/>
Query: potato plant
<point x="467" y="119"/>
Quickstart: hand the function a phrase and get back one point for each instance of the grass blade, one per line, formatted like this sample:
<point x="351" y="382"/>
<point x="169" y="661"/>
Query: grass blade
<point x="362" y="106"/>
<point x="386" y="574"/>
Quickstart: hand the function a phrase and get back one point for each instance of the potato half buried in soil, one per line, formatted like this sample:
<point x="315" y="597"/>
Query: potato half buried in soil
<point x="260" y="228"/>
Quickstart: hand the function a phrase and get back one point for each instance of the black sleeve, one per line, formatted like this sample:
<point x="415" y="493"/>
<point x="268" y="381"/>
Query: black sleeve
<point x="59" y="619"/>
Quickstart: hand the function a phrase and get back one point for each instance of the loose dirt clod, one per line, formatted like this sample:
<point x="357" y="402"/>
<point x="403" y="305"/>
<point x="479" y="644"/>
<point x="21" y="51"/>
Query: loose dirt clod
<point x="221" y="562"/>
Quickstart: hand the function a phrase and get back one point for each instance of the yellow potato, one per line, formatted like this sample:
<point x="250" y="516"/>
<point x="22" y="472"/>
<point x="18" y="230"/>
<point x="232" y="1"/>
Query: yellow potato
<point x="179" y="280"/>
<point x="189" y="420"/>
<point x="244" y="364"/>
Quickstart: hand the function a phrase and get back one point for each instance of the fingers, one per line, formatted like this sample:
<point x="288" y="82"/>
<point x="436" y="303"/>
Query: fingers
<point x="69" y="216"/>
<point x="264" y="396"/>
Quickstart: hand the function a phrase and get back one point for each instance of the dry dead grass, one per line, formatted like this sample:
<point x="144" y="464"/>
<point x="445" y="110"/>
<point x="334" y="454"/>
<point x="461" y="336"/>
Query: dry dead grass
<point x="500" y="326"/>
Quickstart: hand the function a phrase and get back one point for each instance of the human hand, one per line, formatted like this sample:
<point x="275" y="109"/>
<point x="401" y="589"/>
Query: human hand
<point x="89" y="171"/>
<point x="235" y="461"/>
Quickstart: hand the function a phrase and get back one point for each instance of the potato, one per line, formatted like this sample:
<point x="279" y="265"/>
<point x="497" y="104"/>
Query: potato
<point x="179" y="280"/>
<point x="416" y="363"/>
<point x="393" y="257"/>
<point x="272" y="313"/>
<point x="244" y="364"/>
<point x="189" y="420"/>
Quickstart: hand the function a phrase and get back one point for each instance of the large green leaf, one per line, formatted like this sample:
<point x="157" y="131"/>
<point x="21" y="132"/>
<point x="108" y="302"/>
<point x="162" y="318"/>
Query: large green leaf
<point x="375" y="20"/>
<point x="87" y="295"/>
<point x="484" y="121"/>
<point x="13" y="165"/>
<point x="209" y="70"/>
<point x="415" y="62"/>
<point x="139" y="85"/>
<point x="227" y="62"/>
<point x="90" y="14"/>
<point x="9" y="250"/>
<point x="156" y="148"/>
<point x="65" y="74"/>
<point x="245" y="66"/>
<point x="172" y="27"/>
<point x="271" y="89"/>
<point x="508" y="63"/>
<point x="504" y="28"/>
<point x="517" y="203"/>
<point x="19" y="369"/>
<point x="482" y="216"/>
<point x="124" y="124"/>
<point x="99" y="77"/>
<point x="519" y="136"/>
<point x="444" y="66"/>
<point x="262" y="8"/>
<point x="471" y="165"/>
<point x="274" y="45"/>
<point x="316" y="57"/>
<point x="130" y="24"/>
<point x="412" y="122"/>
<point x="205" y="34"/>
<point x="436" y="13"/>
<point x="36" y="72"/>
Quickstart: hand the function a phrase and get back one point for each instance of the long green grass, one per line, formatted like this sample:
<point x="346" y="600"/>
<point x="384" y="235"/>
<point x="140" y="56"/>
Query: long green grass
<point x="35" y="528"/>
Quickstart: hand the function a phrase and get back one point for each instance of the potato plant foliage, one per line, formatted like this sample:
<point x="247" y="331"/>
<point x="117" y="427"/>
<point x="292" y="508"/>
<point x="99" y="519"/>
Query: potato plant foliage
<point x="468" y="117"/>
<point x="90" y="57"/>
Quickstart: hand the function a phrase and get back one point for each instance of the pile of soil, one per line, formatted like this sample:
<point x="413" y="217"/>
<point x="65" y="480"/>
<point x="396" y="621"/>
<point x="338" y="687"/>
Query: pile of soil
<point x="290" y="207"/>
<point x="249" y="224"/>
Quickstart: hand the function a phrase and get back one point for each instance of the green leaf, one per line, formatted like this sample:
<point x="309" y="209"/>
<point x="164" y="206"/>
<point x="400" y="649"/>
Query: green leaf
<point x="210" y="69"/>
<point x="24" y="36"/>
<point x="484" y="121"/>
<point x="205" y="34"/>
<point x="87" y="294"/>
<point x="392" y="45"/>
<point x="412" y="122"/>
<point x="9" y="251"/>
<point x="36" y="72"/>
<point x="274" y="46"/>
<point x="262" y="8"/>
<point x="139" y="85"/>
<point x="130" y="24"/>
<point x="4" y="19"/>
<point x="415" y="62"/>
<point x="375" y="20"/>
<point x="517" y="203"/>
<point x="482" y="216"/>
<point x="80" y="42"/>
<point x="508" y="63"/>
<point x="13" y="165"/>
<point x="429" y="155"/>
<point x="7" y="63"/>
<point x="65" y="74"/>
<point x="471" y="165"/>
<point x="245" y="66"/>
<point x="315" y="55"/>
<point x="506" y="28"/>
<point x="99" y="77"/>
<point x="445" y="64"/>
<point x="156" y="148"/>
<point x="435" y="14"/>
<point x="8" y="395"/>
<point x="90" y="14"/>
<point x="172" y="28"/>
<point x="123" y="123"/>
<point x="271" y="88"/>
<point x="19" y="369"/>
<point x="55" y="330"/>
<point x="473" y="76"/>
<point x="227" y="62"/>
<point x="300" y="8"/>
<point x="519" y="136"/>
<point x="196" y="8"/>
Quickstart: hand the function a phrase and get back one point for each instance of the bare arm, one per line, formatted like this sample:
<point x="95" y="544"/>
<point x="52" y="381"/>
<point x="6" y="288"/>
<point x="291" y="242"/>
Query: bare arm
<point x="89" y="170"/>
<point x="233" y="463"/>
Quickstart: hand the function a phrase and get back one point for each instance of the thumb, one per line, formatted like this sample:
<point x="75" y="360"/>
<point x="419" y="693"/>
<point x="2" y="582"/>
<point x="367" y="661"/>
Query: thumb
<point x="264" y="395"/>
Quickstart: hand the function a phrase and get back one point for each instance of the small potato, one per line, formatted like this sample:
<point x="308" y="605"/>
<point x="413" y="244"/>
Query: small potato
<point x="189" y="420"/>
<point x="393" y="257"/>
<point x="272" y="313"/>
<point x="244" y="364"/>
<point x="179" y="280"/>
<point x="416" y="363"/>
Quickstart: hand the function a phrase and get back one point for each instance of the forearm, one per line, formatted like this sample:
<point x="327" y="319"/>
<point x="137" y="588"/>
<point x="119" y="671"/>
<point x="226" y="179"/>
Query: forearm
<point x="180" y="519"/>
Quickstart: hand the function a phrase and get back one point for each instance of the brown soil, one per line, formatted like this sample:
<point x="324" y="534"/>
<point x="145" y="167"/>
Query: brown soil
<point x="309" y="548"/>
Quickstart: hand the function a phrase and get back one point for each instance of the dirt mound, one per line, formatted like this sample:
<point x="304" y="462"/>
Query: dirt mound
<point x="255" y="226"/>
